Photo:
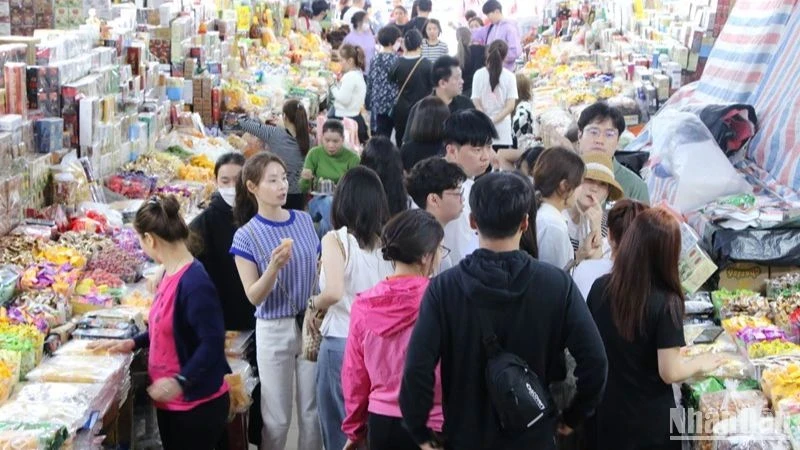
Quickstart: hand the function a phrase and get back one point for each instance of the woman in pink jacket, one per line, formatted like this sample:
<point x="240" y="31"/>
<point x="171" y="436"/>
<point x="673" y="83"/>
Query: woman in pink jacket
<point x="381" y="321"/>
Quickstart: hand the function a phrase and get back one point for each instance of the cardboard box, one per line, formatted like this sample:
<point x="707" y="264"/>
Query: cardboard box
<point x="744" y="276"/>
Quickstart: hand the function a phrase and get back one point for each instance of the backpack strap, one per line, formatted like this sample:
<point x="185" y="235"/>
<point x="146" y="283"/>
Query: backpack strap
<point x="488" y="337"/>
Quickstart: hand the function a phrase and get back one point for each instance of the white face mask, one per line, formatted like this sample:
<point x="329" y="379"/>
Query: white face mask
<point x="228" y="194"/>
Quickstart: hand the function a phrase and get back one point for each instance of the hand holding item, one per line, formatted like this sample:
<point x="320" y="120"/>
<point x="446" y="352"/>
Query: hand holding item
<point x="281" y="254"/>
<point x="164" y="390"/>
<point x="306" y="174"/>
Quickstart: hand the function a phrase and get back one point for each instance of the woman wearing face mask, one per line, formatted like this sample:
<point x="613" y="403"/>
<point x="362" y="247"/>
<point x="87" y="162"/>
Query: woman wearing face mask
<point x="361" y="36"/>
<point x="215" y="225"/>
<point x="290" y="142"/>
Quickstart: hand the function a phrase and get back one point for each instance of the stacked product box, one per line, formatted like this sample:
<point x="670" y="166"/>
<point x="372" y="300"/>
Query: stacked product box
<point x="49" y="134"/>
<point x="16" y="88"/>
<point x="202" y="99"/>
<point x="44" y="91"/>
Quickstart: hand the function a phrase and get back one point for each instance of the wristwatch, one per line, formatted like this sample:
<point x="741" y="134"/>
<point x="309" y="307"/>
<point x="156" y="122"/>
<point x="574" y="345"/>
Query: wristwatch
<point x="311" y="303"/>
<point x="181" y="380"/>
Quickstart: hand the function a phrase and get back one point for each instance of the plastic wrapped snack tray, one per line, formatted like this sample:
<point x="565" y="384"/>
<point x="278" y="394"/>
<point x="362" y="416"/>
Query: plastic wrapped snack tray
<point x="71" y="416"/>
<point x="723" y="344"/>
<point x="80" y="369"/>
<point x="78" y="394"/>
<point x="78" y="347"/>
<point x="722" y="405"/>
<point x="32" y="436"/>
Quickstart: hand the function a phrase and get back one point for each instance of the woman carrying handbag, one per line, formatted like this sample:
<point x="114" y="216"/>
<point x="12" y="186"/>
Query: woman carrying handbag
<point x="413" y="73"/>
<point x="351" y="263"/>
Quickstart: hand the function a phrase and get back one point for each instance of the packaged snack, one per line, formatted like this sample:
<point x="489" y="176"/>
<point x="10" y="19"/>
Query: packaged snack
<point x="722" y="405"/>
<point x="32" y="436"/>
<point x="780" y="381"/>
<point x="9" y="275"/>
<point x="734" y="324"/>
<point x="736" y="366"/>
<point x="80" y="369"/>
<point x="765" y="349"/>
<point x="723" y="344"/>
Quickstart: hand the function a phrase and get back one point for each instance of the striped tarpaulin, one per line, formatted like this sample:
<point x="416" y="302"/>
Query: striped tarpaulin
<point x="776" y="146"/>
<point x="741" y="53"/>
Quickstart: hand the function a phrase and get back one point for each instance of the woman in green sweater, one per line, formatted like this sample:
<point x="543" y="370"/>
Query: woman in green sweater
<point x="330" y="161"/>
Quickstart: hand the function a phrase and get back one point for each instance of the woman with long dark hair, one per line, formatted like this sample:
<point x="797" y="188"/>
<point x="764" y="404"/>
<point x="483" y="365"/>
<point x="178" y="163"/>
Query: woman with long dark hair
<point x="275" y="251"/>
<point x="494" y="92"/>
<point x="351" y="263"/>
<point x="412" y="75"/>
<point x="290" y="141"/>
<point x="383" y="157"/>
<point x="426" y="132"/>
<point x="638" y="310"/>
<point x="471" y="56"/>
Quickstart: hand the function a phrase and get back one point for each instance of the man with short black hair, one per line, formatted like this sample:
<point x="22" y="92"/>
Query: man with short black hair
<point x="424" y="8"/>
<point x="499" y="29"/>
<point x="447" y="85"/>
<point x="534" y="310"/>
<point x="599" y="129"/>
<point x="468" y="144"/>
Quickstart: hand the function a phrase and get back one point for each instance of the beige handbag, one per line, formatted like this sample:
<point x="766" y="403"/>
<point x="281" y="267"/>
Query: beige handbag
<point x="312" y="336"/>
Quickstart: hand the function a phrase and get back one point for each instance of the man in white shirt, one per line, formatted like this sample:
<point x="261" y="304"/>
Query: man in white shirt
<point x="435" y="185"/>
<point x="468" y="144"/>
<point x="347" y="18"/>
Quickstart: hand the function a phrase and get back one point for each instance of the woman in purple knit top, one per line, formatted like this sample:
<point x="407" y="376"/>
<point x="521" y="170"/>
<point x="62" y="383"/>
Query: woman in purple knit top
<point x="360" y="35"/>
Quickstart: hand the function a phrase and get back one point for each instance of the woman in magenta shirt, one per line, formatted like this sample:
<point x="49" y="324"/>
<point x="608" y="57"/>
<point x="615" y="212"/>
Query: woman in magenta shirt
<point x="186" y="336"/>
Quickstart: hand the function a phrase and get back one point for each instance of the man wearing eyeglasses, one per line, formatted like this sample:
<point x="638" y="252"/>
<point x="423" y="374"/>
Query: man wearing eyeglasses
<point x="600" y="127"/>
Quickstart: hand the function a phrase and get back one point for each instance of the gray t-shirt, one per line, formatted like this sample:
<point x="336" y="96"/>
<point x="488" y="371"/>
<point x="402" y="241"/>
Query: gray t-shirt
<point x="281" y="143"/>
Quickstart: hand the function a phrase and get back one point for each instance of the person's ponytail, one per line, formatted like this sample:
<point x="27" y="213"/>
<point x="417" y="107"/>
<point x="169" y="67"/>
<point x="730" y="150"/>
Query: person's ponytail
<point x="295" y="112"/>
<point x="361" y="59"/>
<point x="495" y="56"/>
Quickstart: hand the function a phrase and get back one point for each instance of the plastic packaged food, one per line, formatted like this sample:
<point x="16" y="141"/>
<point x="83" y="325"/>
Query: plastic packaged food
<point x="722" y="405"/>
<point x="71" y="416"/>
<point x="736" y="366"/>
<point x="78" y="394"/>
<point x="241" y="382"/>
<point x="763" y="349"/>
<point x="80" y="369"/>
<point x="781" y="381"/>
<point x="78" y="347"/>
<point x="32" y="436"/>
<point x="749" y="335"/>
<point x="740" y="303"/>
<point x="723" y="344"/>
<point x="9" y="276"/>
<point x="236" y="343"/>
<point x="734" y="324"/>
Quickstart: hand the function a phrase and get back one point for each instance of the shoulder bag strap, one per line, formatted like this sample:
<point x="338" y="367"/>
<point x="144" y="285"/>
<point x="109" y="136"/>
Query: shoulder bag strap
<point x="414" y="69"/>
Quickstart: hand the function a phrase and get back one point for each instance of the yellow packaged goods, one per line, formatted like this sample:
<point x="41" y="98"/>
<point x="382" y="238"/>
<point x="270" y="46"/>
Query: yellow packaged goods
<point x="781" y="381"/>
<point x="241" y="383"/>
<point x="59" y="255"/>
<point x="777" y="347"/>
<point x="734" y="324"/>
<point x="7" y="381"/>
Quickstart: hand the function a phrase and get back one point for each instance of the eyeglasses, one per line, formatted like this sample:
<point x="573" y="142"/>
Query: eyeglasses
<point x="444" y="251"/>
<point x="596" y="132"/>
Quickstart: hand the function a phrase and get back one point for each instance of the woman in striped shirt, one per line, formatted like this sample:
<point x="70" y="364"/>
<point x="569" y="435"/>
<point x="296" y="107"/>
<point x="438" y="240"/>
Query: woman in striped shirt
<point x="289" y="142"/>
<point x="275" y="252"/>
<point x="432" y="47"/>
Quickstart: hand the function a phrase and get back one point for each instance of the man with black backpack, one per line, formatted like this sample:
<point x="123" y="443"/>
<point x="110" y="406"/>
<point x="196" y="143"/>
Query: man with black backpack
<point x="498" y="324"/>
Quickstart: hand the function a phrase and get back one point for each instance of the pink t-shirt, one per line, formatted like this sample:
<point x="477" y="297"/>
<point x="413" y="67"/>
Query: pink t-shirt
<point x="163" y="360"/>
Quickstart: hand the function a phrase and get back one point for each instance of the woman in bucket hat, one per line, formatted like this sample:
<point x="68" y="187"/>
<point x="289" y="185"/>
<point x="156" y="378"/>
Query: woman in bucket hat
<point x="587" y="217"/>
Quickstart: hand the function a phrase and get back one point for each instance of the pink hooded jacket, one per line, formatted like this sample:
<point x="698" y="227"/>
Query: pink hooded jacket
<point x="381" y="322"/>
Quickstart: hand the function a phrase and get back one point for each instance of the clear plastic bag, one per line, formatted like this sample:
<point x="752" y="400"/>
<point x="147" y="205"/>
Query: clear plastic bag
<point x="32" y="436"/>
<point x="80" y="369"/>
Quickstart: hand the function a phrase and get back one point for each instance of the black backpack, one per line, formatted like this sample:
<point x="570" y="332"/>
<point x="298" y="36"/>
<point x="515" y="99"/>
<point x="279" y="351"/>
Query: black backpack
<point x="517" y="394"/>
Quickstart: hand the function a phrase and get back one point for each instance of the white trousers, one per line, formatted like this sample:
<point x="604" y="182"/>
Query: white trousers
<point x="280" y="368"/>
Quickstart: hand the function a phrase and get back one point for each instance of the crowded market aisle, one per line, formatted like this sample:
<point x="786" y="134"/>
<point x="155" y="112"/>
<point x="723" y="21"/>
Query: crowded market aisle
<point x="277" y="225"/>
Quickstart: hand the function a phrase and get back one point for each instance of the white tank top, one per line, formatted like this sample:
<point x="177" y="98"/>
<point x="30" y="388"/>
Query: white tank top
<point x="363" y="270"/>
